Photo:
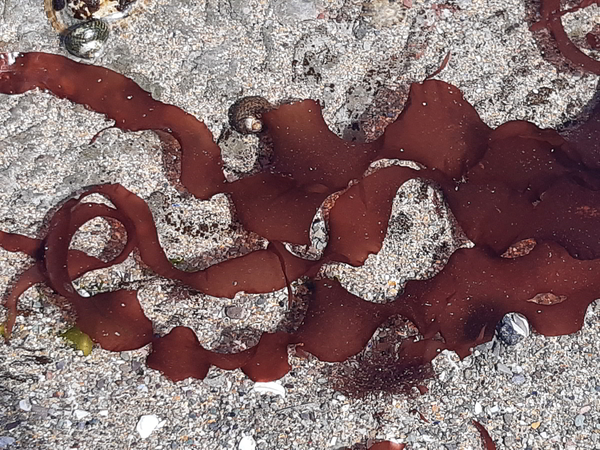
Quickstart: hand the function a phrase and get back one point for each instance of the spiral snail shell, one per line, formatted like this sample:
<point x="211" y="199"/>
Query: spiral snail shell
<point x="245" y="115"/>
<point x="86" y="40"/>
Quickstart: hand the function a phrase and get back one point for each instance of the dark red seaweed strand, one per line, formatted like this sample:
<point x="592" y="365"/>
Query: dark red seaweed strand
<point x="123" y="101"/>
<point x="485" y="436"/>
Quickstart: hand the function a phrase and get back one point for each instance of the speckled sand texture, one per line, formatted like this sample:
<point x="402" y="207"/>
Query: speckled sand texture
<point x="544" y="393"/>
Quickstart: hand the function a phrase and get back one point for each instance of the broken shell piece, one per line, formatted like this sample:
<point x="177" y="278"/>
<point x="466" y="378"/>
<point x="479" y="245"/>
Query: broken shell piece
<point x="272" y="387"/>
<point x="146" y="425"/>
<point x="247" y="443"/>
<point x="513" y="328"/>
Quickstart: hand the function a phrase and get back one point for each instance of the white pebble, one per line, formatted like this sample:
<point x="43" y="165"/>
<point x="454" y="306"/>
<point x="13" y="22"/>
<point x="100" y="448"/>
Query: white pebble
<point x="103" y="413"/>
<point x="247" y="443"/>
<point x="25" y="405"/>
<point x="478" y="408"/>
<point x="146" y="425"/>
<point x="80" y="414"/>
<point x="271" y="386"/>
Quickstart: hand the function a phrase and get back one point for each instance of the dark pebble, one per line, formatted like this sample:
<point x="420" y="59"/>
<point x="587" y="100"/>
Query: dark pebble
<point x="11" y="425"/>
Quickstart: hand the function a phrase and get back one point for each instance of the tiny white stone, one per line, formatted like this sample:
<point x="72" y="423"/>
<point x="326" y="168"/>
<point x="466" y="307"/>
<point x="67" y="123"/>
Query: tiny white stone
<point x="146" y="425"/>
<point x="478" y="408"/>
<point x="80" y="414"/>
<point x="271" y="386"/>
<point x="25" y="405"/>
<point x="247" y="443"/>
<point x="103" y="413"/>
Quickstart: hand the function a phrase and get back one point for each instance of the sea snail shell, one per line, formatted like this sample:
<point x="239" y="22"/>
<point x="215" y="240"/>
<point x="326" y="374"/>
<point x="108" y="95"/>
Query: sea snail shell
<point x="86" y="40"/>
<point x="245" y="115"/>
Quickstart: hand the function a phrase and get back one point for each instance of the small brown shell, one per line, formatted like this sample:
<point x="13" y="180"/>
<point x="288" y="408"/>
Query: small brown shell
<point x="245" y="115"/>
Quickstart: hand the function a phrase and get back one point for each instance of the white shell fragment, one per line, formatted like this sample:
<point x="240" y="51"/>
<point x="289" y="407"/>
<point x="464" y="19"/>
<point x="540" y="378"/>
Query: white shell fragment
<point x="272" y="387"/>
<point x="247" y="443"/>
<point x="146" y="425"/>
<point x="80" y="414"/>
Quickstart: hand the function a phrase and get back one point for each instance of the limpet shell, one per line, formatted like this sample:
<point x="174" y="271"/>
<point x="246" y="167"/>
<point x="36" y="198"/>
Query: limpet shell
<point x="86" y="40"/>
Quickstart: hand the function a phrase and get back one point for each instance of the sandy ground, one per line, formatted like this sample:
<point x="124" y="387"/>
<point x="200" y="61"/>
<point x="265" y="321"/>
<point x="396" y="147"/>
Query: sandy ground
<point x="358" y="60"/>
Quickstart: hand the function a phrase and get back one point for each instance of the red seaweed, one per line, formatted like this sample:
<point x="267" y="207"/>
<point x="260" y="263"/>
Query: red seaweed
<point x="551" y="18"/>
<point x="485" y="436"/>
<point x="505" y="185"/>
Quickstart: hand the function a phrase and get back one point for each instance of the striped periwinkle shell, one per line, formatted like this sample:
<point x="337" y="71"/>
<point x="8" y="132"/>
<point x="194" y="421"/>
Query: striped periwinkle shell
<point x="86" y="40"/>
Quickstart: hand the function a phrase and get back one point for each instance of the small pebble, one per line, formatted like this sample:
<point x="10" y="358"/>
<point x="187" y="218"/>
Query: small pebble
<point x="503" y="368"/>
<point x="25" y="405"/>
<point x="80" y="414"/>
<point x="579" y="420"/>
<point x="478" y="409"/>
<point x="585" y="409"/>
<point x="5" y="441"/>
<point x="234" y="312"/>
<point x="146" y="425"/>
<point x="11" y="425"/>
<point x="40" y="410"/>
<point x="247" y="443"/>
<point x="518" y="379"/>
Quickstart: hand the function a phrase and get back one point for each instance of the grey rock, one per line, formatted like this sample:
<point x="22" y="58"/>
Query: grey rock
<point x="512" y="328"/>
<point x="290" y="11"/>
<point x="12" y="425"/>
<point x="503" y="368"/>
<point x="234" y="312"/>
<point x="16" y="10"/>
<point x="5" y="441"/>
<point x="218" y="381"/>
<point x="518" y="379"/>
<point x="40" y="411"/>
<point x="314" y="53"/>
<point x="361" y="28"/>
<point x="579" y="420"/>
<point x="25" y="405"/>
